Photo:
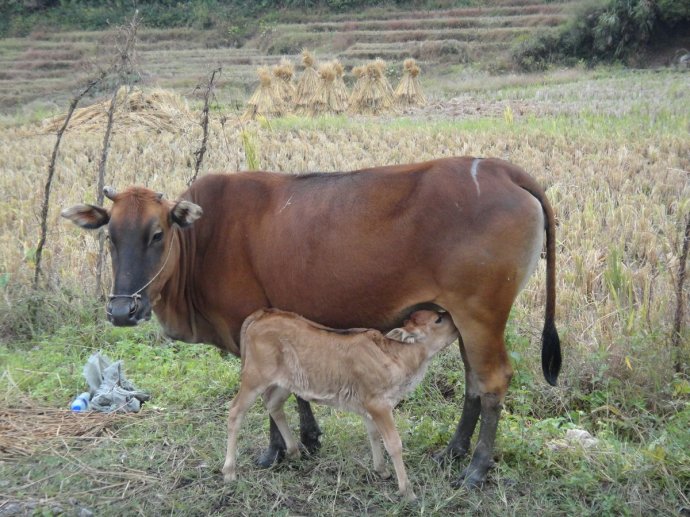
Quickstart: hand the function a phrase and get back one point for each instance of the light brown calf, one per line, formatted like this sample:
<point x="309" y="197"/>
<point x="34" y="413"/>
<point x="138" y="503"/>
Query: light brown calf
<point x="360" y="370"/>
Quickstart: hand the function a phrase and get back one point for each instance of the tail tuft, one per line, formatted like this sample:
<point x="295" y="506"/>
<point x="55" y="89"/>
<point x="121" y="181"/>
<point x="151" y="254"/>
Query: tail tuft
<point x="550" y="352"/>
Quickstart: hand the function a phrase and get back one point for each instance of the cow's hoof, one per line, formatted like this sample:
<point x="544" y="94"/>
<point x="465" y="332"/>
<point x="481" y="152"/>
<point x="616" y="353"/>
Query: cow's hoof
<point x="230" y="477"/>
<point x="447" y="457"/>
<point x="271" y="456"/>
<point x="311" y="442"/>
<point x="471" y="479"/>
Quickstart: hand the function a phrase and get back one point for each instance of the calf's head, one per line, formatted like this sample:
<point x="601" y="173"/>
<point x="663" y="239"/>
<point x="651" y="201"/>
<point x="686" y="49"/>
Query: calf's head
<point x="142" y="240"/>
<point x="432" y="329"/>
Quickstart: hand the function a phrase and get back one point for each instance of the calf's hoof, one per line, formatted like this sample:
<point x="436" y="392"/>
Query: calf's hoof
<point x="384" y="473"/>
<point x="270" y="456"/>
<point x="408" y="495"/>
<point x="229" y="475"/>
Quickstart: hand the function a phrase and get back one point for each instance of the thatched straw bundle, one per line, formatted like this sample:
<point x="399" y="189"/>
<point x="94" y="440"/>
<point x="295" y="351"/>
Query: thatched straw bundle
<point x="308" y="83"/>
<point x="283" y="86"/>
<point x="264" y="102"/>
<point x="327" y="99"/>
<point x="409" y="91"/>
<point x="157" y="109"/>
<point x="374" y="95"/>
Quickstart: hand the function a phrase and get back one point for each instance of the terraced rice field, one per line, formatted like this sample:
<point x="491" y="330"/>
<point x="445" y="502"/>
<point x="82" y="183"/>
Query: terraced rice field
<point x="50" y="66"/>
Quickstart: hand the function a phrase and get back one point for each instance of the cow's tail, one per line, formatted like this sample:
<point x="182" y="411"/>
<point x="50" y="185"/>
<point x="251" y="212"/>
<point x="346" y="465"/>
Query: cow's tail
<point x="550" y="342"/>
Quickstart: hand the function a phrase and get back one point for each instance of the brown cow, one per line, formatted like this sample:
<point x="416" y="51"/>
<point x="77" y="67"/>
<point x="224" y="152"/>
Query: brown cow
<point x="360" y="370"/>
<point x="357" y="249"/>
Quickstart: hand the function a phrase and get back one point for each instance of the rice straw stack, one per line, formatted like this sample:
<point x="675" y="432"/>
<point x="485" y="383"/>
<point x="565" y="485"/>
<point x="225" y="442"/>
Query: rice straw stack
<point x="307" y="84"/>
<point x="409" y="91"/>
<point x="264" y="101"/>
<point x="327" y="99"/>
<point x="340" y="88"/>
<point x="283" y="86"/>
<point x="375" y="95"/>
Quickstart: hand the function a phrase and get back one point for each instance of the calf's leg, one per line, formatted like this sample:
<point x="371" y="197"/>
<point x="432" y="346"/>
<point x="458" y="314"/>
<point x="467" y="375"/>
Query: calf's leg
<point x="240" y="405"/>
<point x="376" y="452"/>
<point x="274" y="399"/>
<point x="309" y="436"/>
<point x="383" y="418"/>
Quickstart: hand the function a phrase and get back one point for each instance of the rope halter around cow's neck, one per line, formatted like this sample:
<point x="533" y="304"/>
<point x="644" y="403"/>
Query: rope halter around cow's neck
<point x="136" y="295"/>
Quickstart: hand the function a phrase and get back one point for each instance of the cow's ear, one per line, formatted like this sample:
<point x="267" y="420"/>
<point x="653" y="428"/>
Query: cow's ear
<point x="185" y="213"/>
<point x="87" y="216"/>
<point x="402" y="335"/>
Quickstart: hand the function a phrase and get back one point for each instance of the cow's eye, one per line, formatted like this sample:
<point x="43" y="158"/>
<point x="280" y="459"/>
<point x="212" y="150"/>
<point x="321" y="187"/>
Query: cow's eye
<point x="439" y="319"/>
<point x="157" y="237"/>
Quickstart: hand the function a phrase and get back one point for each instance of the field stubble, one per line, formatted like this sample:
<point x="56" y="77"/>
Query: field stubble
<point x="618" y="180"/>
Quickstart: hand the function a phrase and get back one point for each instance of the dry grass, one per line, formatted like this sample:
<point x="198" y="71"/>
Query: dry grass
<point x="135" y="110"/>
<point x="27" y="429"/>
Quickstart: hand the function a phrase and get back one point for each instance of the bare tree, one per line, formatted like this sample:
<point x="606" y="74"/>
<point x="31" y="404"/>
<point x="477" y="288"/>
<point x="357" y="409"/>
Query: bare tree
<point x="51" y="173"/>
<point x="204" y="124"/>
<point x="124" y="71"/>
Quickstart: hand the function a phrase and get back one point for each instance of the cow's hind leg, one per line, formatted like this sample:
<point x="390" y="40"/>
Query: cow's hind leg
<point x="459" y="445"/>
<point x="275" y="453"/>
<point x="274" y="399"/>
<point x="308" y="427"/>
<point x="489" y="373"/>
<point x="309" y="436"/>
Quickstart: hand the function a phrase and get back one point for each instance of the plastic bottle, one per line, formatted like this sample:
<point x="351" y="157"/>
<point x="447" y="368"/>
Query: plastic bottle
<point x="81" y="403"/>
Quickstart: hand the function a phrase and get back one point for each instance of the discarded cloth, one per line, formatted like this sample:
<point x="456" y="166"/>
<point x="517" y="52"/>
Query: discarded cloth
<point x="110" y="390"/>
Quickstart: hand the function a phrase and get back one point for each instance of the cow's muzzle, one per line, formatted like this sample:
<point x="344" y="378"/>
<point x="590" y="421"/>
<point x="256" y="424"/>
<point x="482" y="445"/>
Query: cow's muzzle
<point x="127" y="311"/>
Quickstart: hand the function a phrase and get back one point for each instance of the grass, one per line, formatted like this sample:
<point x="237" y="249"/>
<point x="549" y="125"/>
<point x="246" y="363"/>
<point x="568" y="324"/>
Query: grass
<point x="612" y="148"/>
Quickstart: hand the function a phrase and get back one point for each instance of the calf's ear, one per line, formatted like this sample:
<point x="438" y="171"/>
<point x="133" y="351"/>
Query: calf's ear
<point x="86" y="216"/>
<point x="185" y="213"/>
<point x="401" y="335"/>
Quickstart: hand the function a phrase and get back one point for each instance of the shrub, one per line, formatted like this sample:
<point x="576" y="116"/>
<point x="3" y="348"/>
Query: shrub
<point x="613" y="31"/>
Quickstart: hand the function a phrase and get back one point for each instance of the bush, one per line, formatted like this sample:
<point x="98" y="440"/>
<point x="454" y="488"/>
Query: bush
<point x="613" y="31"/>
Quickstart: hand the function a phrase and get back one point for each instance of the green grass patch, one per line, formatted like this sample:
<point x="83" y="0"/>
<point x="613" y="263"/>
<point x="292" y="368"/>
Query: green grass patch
<point x="167" y="459"/>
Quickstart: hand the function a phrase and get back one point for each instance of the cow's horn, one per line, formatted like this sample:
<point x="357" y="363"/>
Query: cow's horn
<point x="110" y="193"/>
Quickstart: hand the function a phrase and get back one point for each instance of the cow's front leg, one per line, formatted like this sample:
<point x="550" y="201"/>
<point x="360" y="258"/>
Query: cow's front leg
<point x="309" y="431"/>
<point x="275" y="453"/>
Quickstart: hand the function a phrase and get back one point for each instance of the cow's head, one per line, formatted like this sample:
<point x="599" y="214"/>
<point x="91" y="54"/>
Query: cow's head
<point x="144" y="246"/>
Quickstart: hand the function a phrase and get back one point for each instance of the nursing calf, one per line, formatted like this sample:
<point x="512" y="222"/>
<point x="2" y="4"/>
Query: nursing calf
<point x="360" y="370"/>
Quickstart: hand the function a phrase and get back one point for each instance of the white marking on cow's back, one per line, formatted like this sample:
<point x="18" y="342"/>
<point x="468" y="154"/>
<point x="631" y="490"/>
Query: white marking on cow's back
<point x="474" y="170"/>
